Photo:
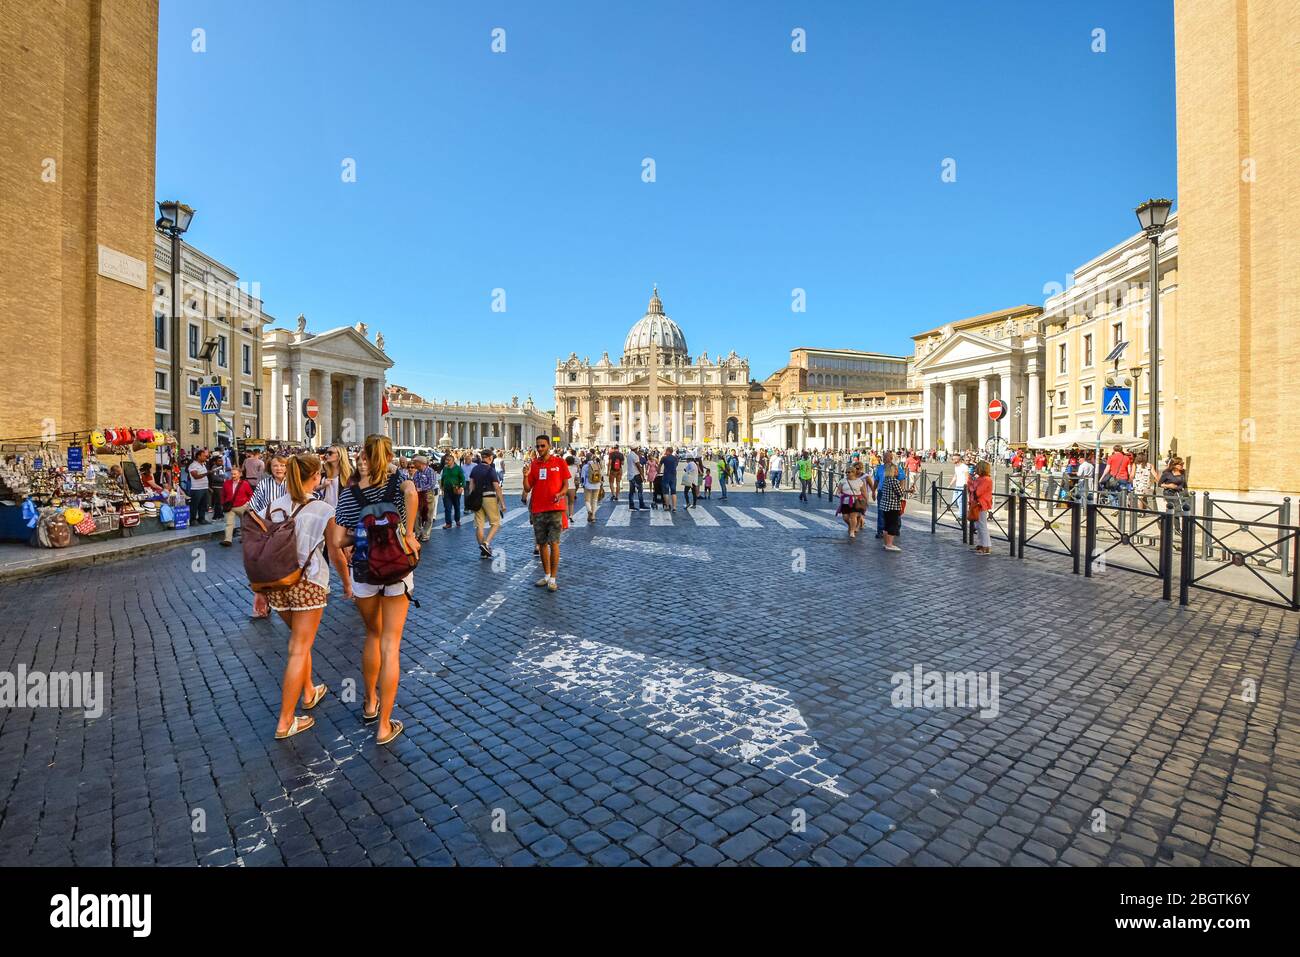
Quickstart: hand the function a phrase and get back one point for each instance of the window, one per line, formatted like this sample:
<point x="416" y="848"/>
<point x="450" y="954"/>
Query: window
<point x="1087" y="394"/>
<point x="1115" y="425"/>
<point x="247" y="398"/>
<point x="573" y="377"/>
<point x="1087" y="350"/>
<point x="221" y="351"/>
<point x="162" y="421"/>
<point x="1116" y="334"/>
<point x="160" y="381"/>
<point x="194" y="386"/>
<point x="247" y="351"/>
<point x="1061" y="399"/>
<point x="225" y="396"/>
<point x="194" y="341"/>
<point x="1086" y="424"/>
<point x="573" y="404"/>
<point x="194" y="426"/>
<point x="159" y="331"/>
<point x="1060" y="430"/>
<point x="1062" y="362"/>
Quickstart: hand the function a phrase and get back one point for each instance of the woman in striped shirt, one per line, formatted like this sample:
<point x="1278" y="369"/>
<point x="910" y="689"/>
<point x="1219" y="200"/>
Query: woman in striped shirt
<point x="268" y="490"/>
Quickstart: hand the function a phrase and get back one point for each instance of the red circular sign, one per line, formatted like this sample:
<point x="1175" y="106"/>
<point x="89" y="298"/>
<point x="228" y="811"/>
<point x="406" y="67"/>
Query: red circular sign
<point x="310" y="408"/>
<point x="997" y="409"/>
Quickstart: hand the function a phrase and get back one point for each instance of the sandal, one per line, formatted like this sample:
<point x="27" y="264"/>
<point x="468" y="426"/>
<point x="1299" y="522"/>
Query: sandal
<point x="367" y="718"/>
<point x="318" y="692"/>
<point x="395" y="728"/>
<point x="301" y="722"/>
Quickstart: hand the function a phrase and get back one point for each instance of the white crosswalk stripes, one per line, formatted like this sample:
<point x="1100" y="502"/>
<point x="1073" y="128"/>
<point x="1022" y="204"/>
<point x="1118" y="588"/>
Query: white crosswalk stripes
<point x="702" y="517"/>
<point x="660" y="516"/>
<point x="518" y="511"/>
<point x="821" y="519"/>
<point x="739" y="517"/>
<point x="783" y="520"/>
<point x="619" y="518"/>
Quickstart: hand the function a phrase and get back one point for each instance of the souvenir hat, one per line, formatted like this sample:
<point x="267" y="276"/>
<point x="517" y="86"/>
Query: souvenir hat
<point x="74" y="515"/>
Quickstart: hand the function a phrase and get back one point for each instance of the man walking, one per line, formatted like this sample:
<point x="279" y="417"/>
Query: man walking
<point x="775" y="467"/>
<point x="615" y="472"/>
<point x="198" y="472"/>
<point x="805" y="470"/>
<point x="485" y="486"/>
<point x="590" y="476"/>
<point x="426" y="490"/>
<point x="635" y="479"/>
<point x="668" y="479"/>
<point x="547" y="479"/>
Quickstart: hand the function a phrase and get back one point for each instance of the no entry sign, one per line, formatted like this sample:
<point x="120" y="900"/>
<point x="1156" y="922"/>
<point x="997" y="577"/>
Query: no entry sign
<point x="310" y="408"/>
<point x="997" y="409"/>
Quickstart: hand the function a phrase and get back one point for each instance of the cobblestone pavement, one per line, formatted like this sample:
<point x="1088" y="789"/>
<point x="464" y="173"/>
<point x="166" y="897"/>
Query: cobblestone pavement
<point x="714" y="691"/>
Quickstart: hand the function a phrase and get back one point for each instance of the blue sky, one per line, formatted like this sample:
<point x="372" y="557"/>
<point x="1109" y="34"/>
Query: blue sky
<point x="774" y="170"/>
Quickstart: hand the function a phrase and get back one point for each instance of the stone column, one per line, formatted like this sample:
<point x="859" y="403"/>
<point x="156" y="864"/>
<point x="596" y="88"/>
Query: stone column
<point x="949" y="416"/>
<point x="1004" y="393"/>
<point x="275" y="398"/>
<point x="982" y="412"/>
<point x="301" y="390"/>
<point x="606" y="429"/>
<point x="325" y="419"/>
<point x="1032" y="427"/>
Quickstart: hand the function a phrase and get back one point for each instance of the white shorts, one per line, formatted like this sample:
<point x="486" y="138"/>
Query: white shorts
<point x="363" y="590"/>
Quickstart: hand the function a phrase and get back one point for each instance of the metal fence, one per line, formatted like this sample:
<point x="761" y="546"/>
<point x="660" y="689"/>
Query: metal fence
<point x="1249" y="559"/>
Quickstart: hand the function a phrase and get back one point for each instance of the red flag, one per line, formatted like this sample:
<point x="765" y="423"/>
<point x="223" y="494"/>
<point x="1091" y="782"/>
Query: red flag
<point x="385" y="412"/>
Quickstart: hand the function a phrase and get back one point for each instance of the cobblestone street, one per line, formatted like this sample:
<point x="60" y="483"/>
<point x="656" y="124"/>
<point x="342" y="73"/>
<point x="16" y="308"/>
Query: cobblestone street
<point x="714" y="690"/>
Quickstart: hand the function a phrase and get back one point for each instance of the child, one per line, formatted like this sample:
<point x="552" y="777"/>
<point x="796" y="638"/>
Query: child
<point x="760" y="479"/>
<point x="708" y="483"/>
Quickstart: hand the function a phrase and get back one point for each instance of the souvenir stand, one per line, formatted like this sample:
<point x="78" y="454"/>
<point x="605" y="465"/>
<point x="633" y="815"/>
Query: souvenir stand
<point x="64" y="488"/>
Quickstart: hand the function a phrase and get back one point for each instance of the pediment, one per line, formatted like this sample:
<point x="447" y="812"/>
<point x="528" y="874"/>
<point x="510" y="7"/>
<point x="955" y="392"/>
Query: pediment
<point x="344" y="343"/>
<point x="961" y="348"/>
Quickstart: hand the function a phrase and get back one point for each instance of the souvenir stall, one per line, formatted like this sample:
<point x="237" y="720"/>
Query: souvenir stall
<point x="63" y="489"/>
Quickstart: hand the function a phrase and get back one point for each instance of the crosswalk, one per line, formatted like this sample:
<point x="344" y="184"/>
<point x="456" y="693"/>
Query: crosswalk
<point x="618" y="515"/>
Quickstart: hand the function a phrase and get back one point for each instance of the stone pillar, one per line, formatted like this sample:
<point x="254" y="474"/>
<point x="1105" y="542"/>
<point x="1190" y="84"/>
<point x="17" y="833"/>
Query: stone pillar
<point x="982" y="412"/>
<point x="275" y="398"/>
<point x="927" y="414"/>
<point x="949" y="416"/>
<point x="1033" y="428"/>
<point x="1004" y="393"/>
<point x="606" y="429"/>
<point x="325" y="419"/>
<point x="301" y="390"/>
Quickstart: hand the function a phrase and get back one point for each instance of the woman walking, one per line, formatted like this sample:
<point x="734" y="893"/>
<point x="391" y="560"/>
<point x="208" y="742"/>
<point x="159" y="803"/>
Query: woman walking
<point x="301" y="604"/>
<point x="853" y="498"/>
<point x="338" y="472"/>
<point x="268" y="490"/>
<point x="452" y="481"/>
<point x="383" y="608"/>
<point x="890" y="497"/>
<point x="980" y="492"/>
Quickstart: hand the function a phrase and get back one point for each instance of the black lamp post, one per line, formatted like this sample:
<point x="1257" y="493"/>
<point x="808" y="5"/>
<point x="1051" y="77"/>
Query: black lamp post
<point x="173" y="220"/>
<point x="1152" y="216"/>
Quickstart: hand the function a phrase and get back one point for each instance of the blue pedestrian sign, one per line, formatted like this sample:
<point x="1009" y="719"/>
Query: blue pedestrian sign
<point x="1116" y="400"/>
<point x="210" y="399"/>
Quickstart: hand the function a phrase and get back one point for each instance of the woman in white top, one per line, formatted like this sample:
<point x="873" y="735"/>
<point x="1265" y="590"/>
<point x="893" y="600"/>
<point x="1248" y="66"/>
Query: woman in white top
<point x="338" y="472"/>
<point x="960" y="473"/>
<point x="853" y="499"/>
<point x="301" y="604"/>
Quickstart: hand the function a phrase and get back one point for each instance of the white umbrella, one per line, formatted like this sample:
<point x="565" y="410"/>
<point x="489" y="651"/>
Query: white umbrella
<point x="1086" y="439"/>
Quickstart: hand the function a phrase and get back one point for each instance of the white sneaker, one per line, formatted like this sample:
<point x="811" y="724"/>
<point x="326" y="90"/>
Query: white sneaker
<point x="892" y="548"/>
<point x="541" y="582"/>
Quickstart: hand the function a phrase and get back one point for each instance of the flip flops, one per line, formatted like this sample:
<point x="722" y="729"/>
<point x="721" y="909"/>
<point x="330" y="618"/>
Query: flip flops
<point x="367" y="718"/>
<point x="301" y="722"/>
<point x="318" y="692"/>
<point x="394" y="729"/>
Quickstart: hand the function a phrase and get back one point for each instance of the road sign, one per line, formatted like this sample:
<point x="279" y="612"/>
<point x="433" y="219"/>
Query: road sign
<point x="1116" y="400"/>
<point x="210" y="399"/>
<point x="997" y="409"/>
<point x="310" y="408"/>
<point x="309" y="429"/>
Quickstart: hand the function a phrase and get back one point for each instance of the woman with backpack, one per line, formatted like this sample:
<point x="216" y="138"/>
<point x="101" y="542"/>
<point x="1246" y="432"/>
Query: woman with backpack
<point x="302" y="603"/>
<point x="377" y="503"/>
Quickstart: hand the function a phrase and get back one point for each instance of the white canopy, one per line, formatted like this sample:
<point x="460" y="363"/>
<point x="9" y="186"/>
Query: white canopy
<point x="1086" y="439"/>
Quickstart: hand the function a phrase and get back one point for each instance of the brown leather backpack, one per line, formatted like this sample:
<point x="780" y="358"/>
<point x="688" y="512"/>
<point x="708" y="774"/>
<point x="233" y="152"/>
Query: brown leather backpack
<point x="271" y="550"/>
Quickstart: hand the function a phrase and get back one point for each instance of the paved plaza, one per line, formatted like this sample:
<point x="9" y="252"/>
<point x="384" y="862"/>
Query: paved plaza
<point x="714" y="687"/>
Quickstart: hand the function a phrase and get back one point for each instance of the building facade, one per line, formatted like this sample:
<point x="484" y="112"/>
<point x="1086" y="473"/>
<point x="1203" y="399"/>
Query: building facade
<point x="832" y="370"/>
<point x="836" y="420"/>
<point x="1238" y="333"/>
<point x="961" y="366"/>
<point x="341" y="369"/>
<point x="1107" y="305"/>
<point x="77" y="155"/>
<point x="416" y="422"/>
<point x="215" y="305"/>
<point x="656" y="394"/>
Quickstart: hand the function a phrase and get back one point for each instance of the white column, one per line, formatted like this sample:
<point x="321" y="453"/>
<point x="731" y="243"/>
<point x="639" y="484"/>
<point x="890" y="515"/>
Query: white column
<point x="982" y="411"/>
<point x="605" y="428"/>
<point x="276" y="401"/>
<point x="679" y="419"/>
<point x="1033" y="427"/>
<point x="301" y="390"/>
<point x="949" y="416"/>
<point x="1004" y="393"/>
<point x="357" y="412"/>
<point x="325" y="420"/>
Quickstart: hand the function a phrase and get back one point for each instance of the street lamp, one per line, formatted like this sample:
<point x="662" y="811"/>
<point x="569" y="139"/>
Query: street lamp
<point x="173" y="220"/>
<point x="1152" y="216"/>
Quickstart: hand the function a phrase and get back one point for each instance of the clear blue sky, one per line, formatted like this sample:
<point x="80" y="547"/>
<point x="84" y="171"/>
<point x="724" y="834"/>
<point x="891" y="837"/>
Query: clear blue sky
<point x="775" y="170"/>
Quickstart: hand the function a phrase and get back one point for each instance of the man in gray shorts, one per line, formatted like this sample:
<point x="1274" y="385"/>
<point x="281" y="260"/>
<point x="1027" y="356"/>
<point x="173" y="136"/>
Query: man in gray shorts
<point x="546" y="492"/>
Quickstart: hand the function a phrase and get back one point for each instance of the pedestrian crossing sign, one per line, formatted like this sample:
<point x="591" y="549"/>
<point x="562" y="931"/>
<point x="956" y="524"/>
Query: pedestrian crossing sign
<point x="210" y="399"/>
<point x="1116" y="400"/>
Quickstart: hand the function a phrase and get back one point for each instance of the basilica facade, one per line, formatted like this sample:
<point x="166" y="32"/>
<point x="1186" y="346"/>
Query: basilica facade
<point x="656" y="394"/>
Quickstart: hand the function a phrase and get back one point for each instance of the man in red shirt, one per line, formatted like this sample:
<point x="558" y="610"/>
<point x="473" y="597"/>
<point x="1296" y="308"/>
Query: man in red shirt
<point x="547" y="481"/>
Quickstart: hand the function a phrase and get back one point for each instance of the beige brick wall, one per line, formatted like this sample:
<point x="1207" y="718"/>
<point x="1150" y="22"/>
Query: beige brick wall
<point x="79" y="81"/>
<point x="1238" y="333"/>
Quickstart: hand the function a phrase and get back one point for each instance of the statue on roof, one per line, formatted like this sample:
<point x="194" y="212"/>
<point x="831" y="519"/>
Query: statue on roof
<point x="302" y="323"/>
<point x="379" y="341"/>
